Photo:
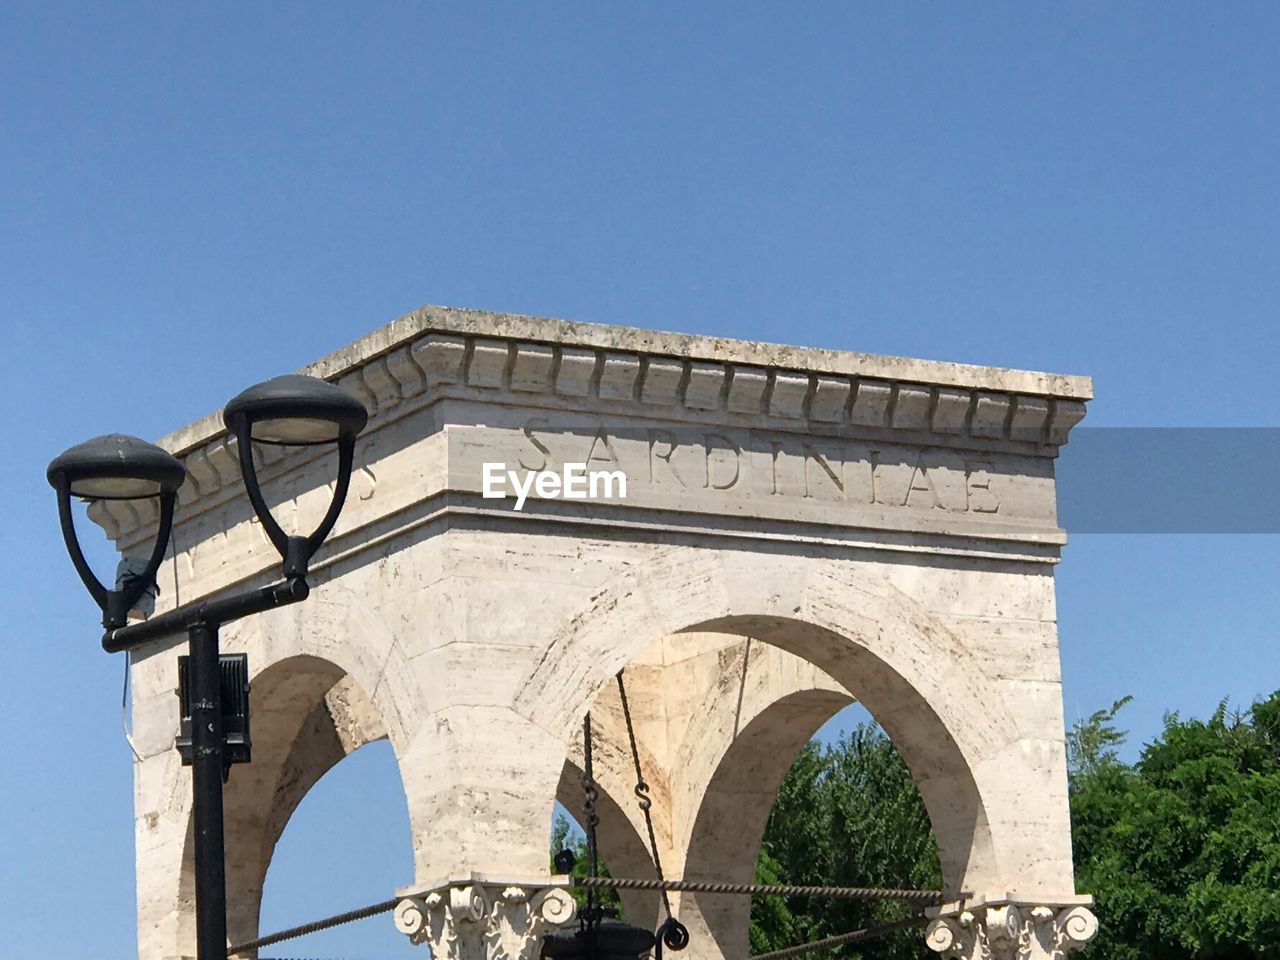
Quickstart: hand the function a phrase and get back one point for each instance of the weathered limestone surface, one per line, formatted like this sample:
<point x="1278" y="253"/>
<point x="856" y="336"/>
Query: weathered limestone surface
<point x="800" y="528"/>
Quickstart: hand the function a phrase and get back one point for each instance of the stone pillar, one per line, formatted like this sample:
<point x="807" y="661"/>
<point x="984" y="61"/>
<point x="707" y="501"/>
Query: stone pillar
<point x="1009" y="929"/>
<point x="484" y="920"/>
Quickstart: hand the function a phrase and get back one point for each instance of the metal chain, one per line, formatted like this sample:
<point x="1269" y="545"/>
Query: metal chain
<point x="386" y="906"/>
<point x="671" y="933"/>
<point x="642" y="790"/>
<point x="856" y="936"/>
<point x="591" y="916"/>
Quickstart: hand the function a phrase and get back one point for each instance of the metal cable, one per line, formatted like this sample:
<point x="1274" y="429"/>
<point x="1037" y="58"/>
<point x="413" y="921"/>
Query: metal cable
<point x="621" y="883"/>
<point x="742" y="685"/>
<point x="855" y="936"/>
<point x="386" y="906"/>
<point x="776" y="889"/>
<point x="642" y="790"/>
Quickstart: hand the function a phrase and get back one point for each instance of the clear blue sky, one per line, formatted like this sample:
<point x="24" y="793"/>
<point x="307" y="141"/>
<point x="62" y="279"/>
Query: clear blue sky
<point x="196" y="197"/>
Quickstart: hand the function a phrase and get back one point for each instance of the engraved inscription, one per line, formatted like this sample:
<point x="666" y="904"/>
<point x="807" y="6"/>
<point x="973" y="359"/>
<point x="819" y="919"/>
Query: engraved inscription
<point x="723" y="459"/>
<point x="743" y="463"/>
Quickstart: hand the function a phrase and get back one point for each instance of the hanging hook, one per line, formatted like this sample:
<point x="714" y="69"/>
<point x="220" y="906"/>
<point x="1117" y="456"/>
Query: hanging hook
<point x="671" y="932"/>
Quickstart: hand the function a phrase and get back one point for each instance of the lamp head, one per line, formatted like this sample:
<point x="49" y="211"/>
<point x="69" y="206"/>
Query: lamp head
<point x="295" y="410"/>
<point x="116" y="467"/>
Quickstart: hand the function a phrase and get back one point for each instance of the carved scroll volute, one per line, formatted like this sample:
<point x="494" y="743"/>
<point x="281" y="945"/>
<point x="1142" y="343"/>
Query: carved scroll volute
<point x="1048" y="933"/>
<point x="556" y="907"/>
<point x="957" y="936"/>
<point x="450" y="922"/>
<point x="1011" y="932"/>
<point x="411" y="916"/>
<point x="471" y="923"/>
<point x="1075" y="928"/>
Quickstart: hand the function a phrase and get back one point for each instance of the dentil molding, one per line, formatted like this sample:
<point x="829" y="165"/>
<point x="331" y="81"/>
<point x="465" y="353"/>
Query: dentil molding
<point x="438" y="352"/>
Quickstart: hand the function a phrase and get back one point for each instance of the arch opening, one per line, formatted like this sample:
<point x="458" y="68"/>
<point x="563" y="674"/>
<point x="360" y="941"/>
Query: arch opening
<point x="346" y="845"/>
<point x="845" y="813"/>
<point x="308" y="716"/>
<point x="913" y="673"/>
<point x="755" y="711"/>
<point x="920" y="729"/>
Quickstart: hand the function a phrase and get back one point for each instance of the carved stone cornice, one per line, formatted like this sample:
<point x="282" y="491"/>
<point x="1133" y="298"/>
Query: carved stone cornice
<point x="1013" y="930"/>
<point x="438" y="352"/>
<point x="477" y="921"/>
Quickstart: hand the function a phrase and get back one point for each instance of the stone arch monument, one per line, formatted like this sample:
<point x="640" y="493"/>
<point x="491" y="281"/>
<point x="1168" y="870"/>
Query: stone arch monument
<point x="776" y="531"/>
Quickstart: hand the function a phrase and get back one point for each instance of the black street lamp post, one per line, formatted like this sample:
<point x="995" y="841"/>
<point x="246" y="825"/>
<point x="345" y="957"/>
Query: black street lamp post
<point x="287" y="411"/>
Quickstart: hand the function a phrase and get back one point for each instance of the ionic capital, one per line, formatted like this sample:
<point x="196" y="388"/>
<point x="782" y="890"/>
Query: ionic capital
<point x="482" y="922"/>
<point x="1012" y="930"/>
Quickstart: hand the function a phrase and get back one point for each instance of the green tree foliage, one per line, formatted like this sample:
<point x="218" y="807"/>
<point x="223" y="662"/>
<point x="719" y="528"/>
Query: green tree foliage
<point x="1094" y="743"/>
<point x="1182" y="849"/>
<point x="847" y="814"/>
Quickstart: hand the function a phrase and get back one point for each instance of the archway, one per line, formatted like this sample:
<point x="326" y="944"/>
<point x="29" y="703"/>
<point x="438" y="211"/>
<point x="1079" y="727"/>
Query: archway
<point x="848" y="814"/>
<point x="308" y="715"/>
<point x="729" y="824"/>
<point x="708" y="704"/>
<point x="913" y="673"/>
<point x="310" y="709"/>
<point x="346" y="839"/>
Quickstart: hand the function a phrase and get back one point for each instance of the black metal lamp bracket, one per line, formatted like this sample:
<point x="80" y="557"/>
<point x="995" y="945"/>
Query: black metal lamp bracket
<point x="296" y="551"/>
<point x="114" y="604"/>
